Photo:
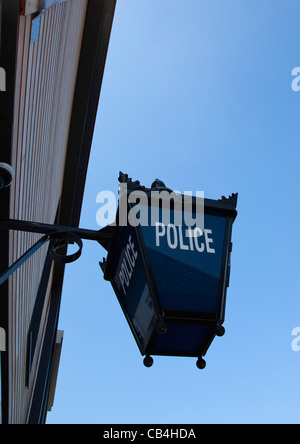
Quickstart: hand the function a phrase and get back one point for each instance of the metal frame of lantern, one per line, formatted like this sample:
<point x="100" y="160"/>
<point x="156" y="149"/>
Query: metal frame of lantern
<point x="162" y="320"/>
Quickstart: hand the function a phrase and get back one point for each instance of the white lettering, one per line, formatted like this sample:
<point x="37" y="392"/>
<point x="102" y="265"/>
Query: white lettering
<point x="164" y="198"/>
<point x="121" y="277"/>
<point x="189" y="234"/>
<point x="182" y="245"/>
<point x="188" y="240"/>
<point x="208" y="241"/>
<point x="140" y="208"/>
<point x="197" y="233"/>
<point x="158" y="232"/>
<point x="128" y="263"/>
<point x="123" y="205"/>
<point x="295" y="82"/>
<point x="296" y="341"/>
<point x="107" y="212"/>
<point x="198" y="220"/>
<point x="169" y="238"/>
<point x="120" y="434"/>
<point x="170" y="433"/>
<point x="135" y="253"/>
<point x="163" y="206"/>
<point x="130" y="257"/>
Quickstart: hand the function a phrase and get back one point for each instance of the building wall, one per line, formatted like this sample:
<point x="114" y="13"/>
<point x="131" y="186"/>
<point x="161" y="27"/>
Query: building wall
<point x="45" y="80"/>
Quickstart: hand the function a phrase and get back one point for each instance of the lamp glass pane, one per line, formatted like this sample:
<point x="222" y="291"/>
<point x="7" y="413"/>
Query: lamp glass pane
<point x="182" y="338"/>
<point x="187" y="269"/>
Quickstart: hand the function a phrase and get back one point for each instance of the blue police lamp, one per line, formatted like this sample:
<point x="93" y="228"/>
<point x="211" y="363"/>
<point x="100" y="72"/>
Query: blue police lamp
<point x="170" y="277"/>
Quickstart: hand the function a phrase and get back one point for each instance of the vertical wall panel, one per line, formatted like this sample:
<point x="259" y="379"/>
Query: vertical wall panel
<point x="45" y="82"/>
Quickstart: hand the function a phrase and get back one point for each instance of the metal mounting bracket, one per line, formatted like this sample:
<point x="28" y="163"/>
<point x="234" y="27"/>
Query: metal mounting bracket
<point x="58" y="235"/>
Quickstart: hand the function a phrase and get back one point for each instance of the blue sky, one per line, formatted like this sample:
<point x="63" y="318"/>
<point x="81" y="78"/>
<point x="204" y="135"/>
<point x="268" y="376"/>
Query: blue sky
<point x="197" y="93"/>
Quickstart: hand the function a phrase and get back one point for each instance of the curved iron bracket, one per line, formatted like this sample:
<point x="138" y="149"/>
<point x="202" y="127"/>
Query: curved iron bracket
<point x="59" y="236"/>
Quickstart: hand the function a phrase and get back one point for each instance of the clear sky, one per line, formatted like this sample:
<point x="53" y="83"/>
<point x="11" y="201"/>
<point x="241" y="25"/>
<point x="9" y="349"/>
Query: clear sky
<point x="197" y="93"/>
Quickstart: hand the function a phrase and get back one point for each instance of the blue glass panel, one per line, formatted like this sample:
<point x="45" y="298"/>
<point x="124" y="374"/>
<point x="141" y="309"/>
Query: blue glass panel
<point x="181" y="338"/>
<point x="187" y="270"/>
<point x="128" y="272"/>
<point x="130" y="279"/>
